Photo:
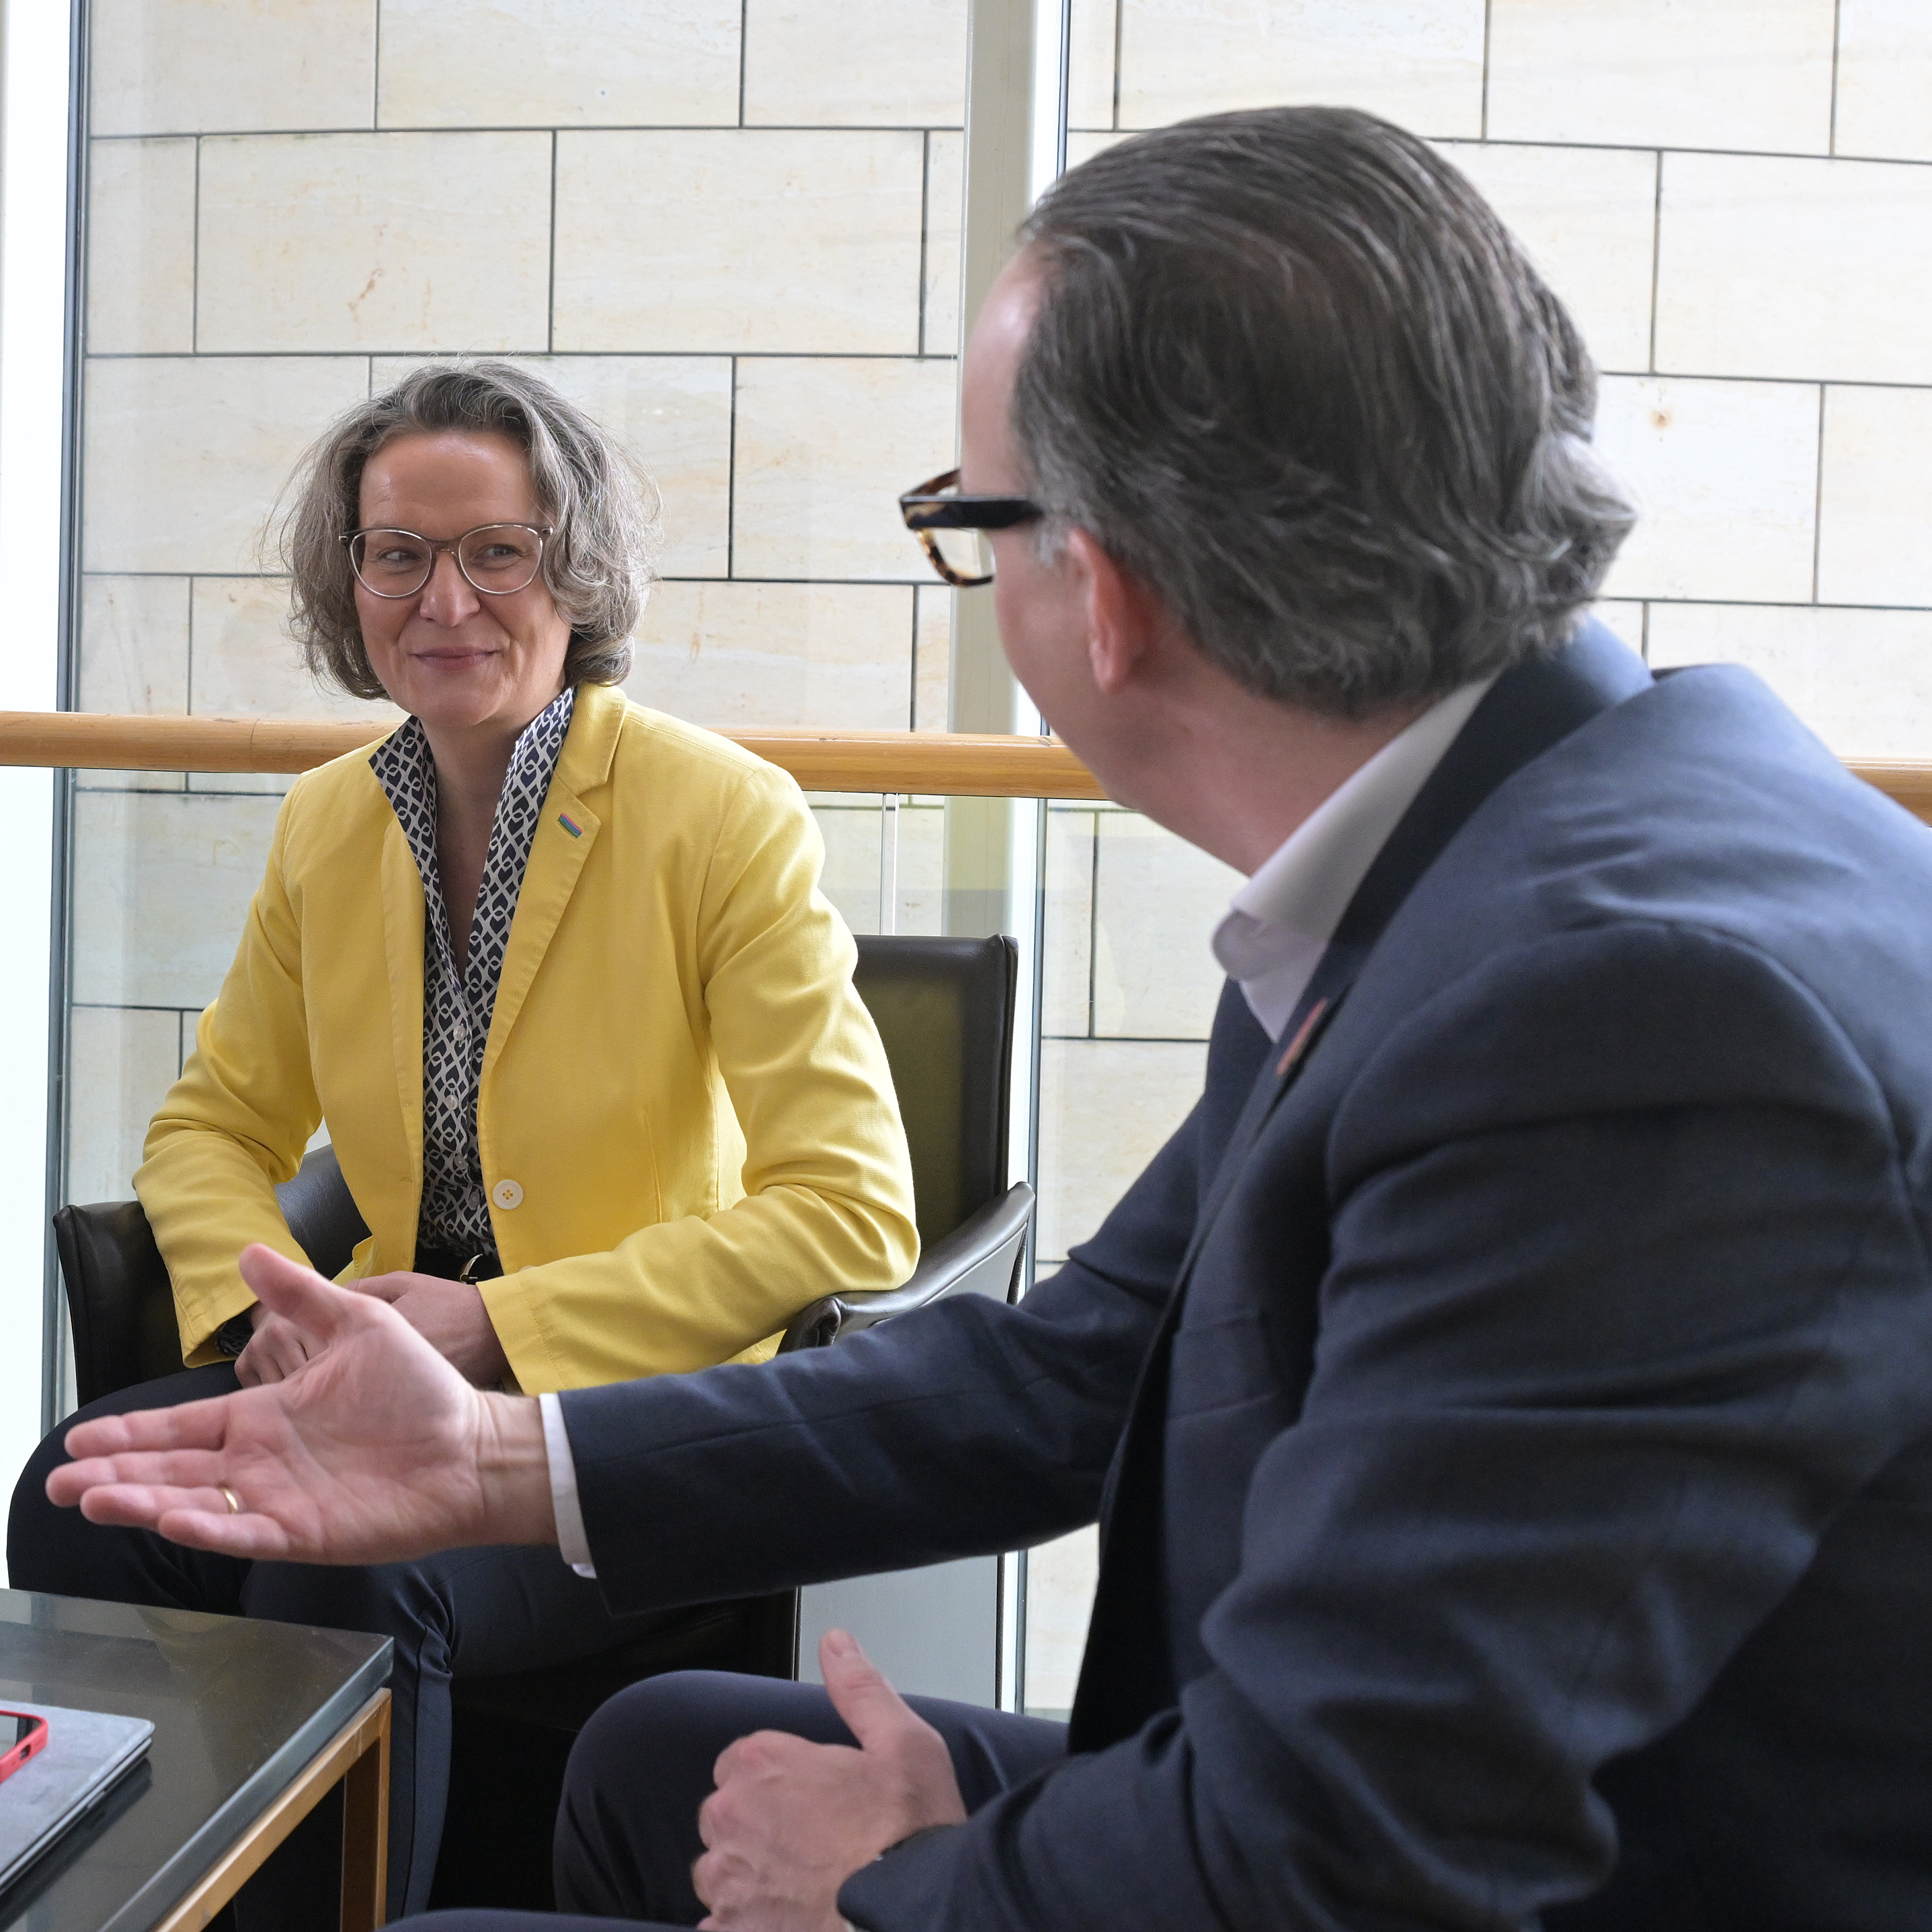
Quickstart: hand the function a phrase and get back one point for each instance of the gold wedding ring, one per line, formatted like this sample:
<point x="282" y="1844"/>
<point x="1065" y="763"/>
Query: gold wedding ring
<point x="234" y="1501"/>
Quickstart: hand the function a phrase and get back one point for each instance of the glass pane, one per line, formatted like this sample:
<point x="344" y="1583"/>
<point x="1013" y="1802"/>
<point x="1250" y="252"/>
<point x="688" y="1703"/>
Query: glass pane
<point x="618" y="213"/>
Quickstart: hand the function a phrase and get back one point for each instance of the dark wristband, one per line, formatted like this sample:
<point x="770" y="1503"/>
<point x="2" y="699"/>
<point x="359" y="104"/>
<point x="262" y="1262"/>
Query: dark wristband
<point x="234" y="1334"/>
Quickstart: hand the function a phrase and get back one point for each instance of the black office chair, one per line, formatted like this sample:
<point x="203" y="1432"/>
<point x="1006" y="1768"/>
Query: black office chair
<point x="944" y="1009"/>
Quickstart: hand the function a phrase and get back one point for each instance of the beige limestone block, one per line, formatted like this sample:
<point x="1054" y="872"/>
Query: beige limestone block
<point x="861" y="64"/>
<point x="247" y="665"/>
<point x="1861" y="679"/>
<point x="945" y="207"/>
<point x="1083" y="146"/>
<point x="185" y="67"/>
<point x="1875" y="497"/>
<point x="922" y="866"/>
<point x="853" y="826"/>
<point x="1418" y="62"/>
<point x="121" y="1064"/>
<point x="1820" y="270"/>
<point x="672" y="415"/>
<point x="1885" y="79"/>
<point x="186" y="457"/>
<point x="1090" y="63"/>
<point x="1724" y="476"/>
<point x="1066" y="1001"/>
<point x="1106" y="1107"/>
<point x="133" y="658"/>
<point x="1672" y="73"/>
<point x="162" y="884"/>
<point x="673" y="412"/>
<point x="133" y="644"/>
<point x="1156" y="902"/>
<point x="825" y="654"/>
<point x="851" y="879"/>
<point x="932" y="666"/>
<point x="746" y="240"/>
<point x="1588" y="216"/>
<point x="1060" y="1577"/>
<point x="558" y="63"/>
<point x="140" y="248"/>
<point x="825" y="447"/>
<point x="367" y="242"/>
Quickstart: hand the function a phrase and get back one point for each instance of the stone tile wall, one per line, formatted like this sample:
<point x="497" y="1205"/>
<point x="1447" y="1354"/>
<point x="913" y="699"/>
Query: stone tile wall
<point x="729" y="228"/>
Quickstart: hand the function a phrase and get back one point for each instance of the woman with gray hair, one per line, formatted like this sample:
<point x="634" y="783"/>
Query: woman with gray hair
<point x="555" y="971"/>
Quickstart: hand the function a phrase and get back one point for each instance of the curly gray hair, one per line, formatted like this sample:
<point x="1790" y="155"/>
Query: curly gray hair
<point x="601" y="510"/>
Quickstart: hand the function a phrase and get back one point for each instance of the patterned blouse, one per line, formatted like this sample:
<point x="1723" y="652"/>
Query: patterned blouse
<point x="455" y="1214"/>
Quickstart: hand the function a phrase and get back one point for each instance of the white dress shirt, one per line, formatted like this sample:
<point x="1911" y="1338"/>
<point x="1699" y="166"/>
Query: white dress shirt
<point x="1275" y="932"/>
<point x="572" y="1542"/>
<point x="1280" y="923"/>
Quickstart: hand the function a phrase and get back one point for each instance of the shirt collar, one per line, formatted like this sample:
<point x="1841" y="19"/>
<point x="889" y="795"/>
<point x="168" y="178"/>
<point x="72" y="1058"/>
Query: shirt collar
<point x="1279" y="924"/>
<point x="405" y="753"/>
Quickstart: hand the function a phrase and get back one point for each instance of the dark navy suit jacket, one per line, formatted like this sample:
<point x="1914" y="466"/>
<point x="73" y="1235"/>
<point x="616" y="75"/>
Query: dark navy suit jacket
<point x="1511" y="1425"/>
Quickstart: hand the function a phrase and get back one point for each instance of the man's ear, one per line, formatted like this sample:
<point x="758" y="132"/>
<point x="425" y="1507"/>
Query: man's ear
<point x="1124" y="616"/>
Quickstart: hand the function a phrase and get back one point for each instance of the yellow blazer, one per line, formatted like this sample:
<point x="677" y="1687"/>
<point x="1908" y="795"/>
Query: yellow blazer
<point x="687" y="1126"/>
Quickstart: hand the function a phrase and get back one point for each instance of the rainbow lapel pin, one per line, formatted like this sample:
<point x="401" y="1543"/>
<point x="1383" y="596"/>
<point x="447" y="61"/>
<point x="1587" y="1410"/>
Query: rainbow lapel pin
<point x="1298" y="1045"/>
<point x="575" y="830"/>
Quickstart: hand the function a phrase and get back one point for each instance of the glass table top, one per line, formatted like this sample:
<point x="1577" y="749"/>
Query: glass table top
<point x="238" y="1707"/>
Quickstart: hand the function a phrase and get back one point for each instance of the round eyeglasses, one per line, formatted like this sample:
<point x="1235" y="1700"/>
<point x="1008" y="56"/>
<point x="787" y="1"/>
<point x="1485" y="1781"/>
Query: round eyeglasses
<point x="497" y="559"/>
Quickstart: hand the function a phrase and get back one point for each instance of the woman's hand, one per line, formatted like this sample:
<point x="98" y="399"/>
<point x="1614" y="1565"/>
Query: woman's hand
<point x="450" y="1316"/>
<point x="376" y="1451"/>
<point x="275" y="1351"/>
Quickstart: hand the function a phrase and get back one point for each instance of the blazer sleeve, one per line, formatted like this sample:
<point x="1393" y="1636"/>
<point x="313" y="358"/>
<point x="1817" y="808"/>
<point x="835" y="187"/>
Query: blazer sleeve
<point x="962" y="1429"/>
<point x="1627" y="1301"/>
<point x="238" y="1121"/>
<point x="828" y="1190"/>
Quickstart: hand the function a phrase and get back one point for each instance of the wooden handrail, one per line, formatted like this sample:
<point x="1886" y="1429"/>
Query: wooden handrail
<point x="956" y="764"/>
<point x="948" y="764"/>
<point x="1906" y="782"/>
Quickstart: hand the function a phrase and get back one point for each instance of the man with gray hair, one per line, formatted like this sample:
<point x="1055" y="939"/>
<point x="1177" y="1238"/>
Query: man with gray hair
<point x="1507" y="1401"/>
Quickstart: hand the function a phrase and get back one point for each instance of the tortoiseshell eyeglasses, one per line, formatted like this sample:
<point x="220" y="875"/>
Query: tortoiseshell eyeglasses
<point x="951" y="528"/>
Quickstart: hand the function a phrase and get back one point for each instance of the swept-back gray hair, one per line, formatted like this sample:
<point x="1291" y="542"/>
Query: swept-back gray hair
<point x="1290" y="369"/>
<point x="601" y="512"/>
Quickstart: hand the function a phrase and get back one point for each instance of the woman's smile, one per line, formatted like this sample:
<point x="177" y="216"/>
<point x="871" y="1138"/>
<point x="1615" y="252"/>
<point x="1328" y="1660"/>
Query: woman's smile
<point x="460" y="659"/>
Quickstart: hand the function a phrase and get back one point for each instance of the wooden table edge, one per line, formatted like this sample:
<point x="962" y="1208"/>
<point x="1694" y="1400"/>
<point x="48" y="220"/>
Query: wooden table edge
<point x="358" y="1753"/>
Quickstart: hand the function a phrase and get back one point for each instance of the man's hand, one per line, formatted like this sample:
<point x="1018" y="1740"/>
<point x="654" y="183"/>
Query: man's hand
<point x="450" y="1316"/>
<point x="790" y="1821"/>
<point x="276" y="1349"/>
<point x="374" y="1450"/>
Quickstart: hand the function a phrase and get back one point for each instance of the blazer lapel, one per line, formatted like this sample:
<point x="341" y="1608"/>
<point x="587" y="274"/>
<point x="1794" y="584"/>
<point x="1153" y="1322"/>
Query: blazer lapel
<point x="1527" y="711"/>
<point x="563" y="842"/>
<point x="565" y="835"/>
<point x="403" y="937"/>
<point x="1126" y="1675"/>
<point x="1316" y="1010"/>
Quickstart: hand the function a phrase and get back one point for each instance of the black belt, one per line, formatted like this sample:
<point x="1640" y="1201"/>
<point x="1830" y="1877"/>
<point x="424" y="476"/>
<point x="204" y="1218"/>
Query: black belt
<point x="455" y="1264"/>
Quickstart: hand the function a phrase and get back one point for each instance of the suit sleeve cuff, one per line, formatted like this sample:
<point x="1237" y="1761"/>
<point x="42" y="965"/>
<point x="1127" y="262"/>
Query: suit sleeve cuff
<point x="571" y="1543"/>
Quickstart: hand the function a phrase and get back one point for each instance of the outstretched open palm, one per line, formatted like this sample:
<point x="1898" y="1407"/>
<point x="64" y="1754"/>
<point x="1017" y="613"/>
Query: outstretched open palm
<point x="375" y="1450"/>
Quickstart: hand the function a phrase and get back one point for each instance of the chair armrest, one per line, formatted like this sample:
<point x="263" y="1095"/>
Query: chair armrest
<point x="120" y="1308"/>
<point x="981" y="1256"/>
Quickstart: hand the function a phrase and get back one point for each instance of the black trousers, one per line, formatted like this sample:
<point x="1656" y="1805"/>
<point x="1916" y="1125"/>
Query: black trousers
<point x="470" y="1613"/>
<point x="627" y="1834"/>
